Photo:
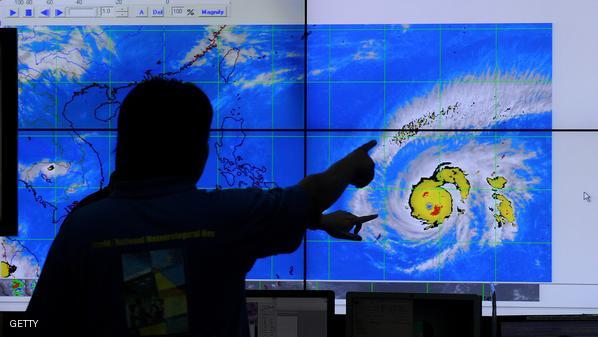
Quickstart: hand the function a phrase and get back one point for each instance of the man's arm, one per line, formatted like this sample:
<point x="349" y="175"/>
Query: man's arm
<point x="274" y="221"/>
<point x="357" y="169"/>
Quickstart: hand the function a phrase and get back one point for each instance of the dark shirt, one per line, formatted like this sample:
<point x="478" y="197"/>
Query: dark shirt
<point x="163" y="258"/>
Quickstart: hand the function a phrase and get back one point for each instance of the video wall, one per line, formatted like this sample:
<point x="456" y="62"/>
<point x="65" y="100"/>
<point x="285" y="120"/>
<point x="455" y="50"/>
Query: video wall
<point x="461" y="114"/>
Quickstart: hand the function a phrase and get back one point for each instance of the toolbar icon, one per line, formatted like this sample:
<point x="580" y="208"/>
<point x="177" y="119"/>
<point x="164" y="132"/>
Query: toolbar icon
<point x="121" y="12"/>
<point x="156" y="11"/>
<point x="141" y="12"/>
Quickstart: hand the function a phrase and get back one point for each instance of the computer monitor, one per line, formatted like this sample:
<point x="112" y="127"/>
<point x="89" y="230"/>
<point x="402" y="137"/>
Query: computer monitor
<point x="8" y="130"/>
<point x="548" y="326"/>
<point x="404" y="314"/>
<point x="288" y="313"/>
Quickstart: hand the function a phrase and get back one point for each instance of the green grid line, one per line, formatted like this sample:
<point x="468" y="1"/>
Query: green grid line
<point x="110" y="106"/>
<point x="512" y="243"/>
<point x="384" y="107"/>
<point x="349" y="189"/>
<point x="219" y="57"/>
<point x="289" y="28"/>
<point x="272" y="121"/>
<point x="64" y="134"/>
<point x="110" y="28"/>
<point x="329" y="126"/>
<point x="440" y="87"/>
<point x="494" y="145"/>
<point x="246" y="28"/>
<point x="430" y="134"/>
<point x="392" y="29"/>
<point x="439" y="267"/>
<point x="413" y="241"/>
<point x="381" y="81"/>
<point x="384" y="227"/>
<point x="163" y="52"/>
<point x="55" y="147"/>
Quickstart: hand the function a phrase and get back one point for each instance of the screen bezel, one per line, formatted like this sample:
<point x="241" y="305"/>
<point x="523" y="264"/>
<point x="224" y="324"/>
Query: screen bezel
<point x="9" y="112"/>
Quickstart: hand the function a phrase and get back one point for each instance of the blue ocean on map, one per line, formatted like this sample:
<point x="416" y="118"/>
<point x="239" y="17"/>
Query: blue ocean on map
<point x="408" y="82"/>
<point x="407" y="86"/>
<point x="72" y="81"/>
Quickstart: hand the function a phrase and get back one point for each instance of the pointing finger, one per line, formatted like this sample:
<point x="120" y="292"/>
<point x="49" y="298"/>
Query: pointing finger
<point x="368" y="146"/>
<point x="366" y="218"/>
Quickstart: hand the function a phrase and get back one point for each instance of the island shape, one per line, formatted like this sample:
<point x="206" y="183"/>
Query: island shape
<point x="505" y="213"/>
<point x="497" y="182"/>
<point x="433" y="204"/>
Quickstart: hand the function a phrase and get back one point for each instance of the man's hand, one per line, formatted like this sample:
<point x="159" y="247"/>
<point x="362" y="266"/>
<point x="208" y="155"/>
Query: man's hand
<point x="357" y="169"/>
<point x="344" y="225"/>
<point x="360" y="164"/>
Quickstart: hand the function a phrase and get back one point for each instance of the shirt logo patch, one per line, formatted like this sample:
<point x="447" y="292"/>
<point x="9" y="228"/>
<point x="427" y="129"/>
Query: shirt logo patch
<point x="155" y="292"/>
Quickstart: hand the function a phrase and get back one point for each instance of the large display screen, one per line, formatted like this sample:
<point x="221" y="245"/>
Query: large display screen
<point x="480" y="111"/>
<point x="454" y="206"/>
<point x="483" y="113"/>
<point x="74" y="74"/>
<point x="71" y="94"/>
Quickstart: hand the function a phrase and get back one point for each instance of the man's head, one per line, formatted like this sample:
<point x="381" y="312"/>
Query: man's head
<point x="163" y="130"/>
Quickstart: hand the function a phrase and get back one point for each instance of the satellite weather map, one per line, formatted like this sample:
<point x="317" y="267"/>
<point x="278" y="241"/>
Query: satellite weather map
<point x="467" y="205"/>
<point x="472" y="205"/>
<point x="72" y="82"/>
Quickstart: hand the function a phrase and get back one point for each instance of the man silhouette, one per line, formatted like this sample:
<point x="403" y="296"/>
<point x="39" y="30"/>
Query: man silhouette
<point x="152" y="243"/>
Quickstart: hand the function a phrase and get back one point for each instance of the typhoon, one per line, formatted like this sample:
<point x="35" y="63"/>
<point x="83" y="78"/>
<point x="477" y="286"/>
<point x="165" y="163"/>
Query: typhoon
<point x="448" y="196"/>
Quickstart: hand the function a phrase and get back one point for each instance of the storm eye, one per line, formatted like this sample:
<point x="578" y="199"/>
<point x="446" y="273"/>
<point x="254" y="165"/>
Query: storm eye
<point x="429" y="206"/>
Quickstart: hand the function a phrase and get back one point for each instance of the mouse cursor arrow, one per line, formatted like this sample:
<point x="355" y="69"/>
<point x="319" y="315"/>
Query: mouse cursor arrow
<point x="587" y="197"/>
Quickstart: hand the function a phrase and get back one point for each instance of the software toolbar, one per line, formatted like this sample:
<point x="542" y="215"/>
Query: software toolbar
<point x="174" y="11"/>
<point x="150" y="12"/>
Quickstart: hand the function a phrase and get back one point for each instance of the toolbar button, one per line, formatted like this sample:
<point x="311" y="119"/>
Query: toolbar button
<point x="217" y="11"/>
<point x="28" y="12"/>
<point x="156" y="11"/>
<point x="13" y="12"/>
<point x="44" y="13"/>
<point x="59" y="12"/>
<point x="141" y="12"/>
<point x="121" y="12"/>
